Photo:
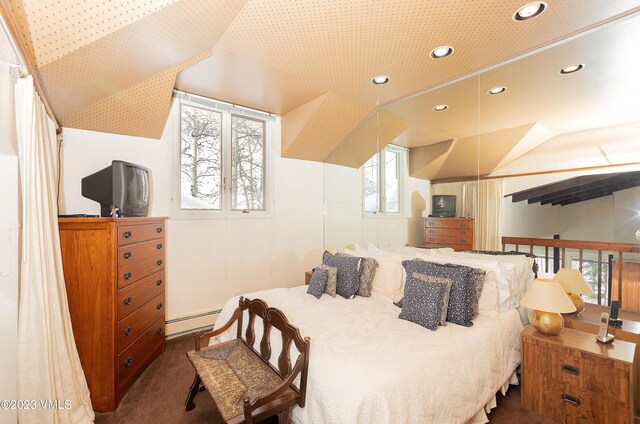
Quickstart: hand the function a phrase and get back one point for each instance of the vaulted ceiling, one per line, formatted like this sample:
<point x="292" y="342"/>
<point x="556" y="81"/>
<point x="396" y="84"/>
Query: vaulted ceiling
<point x="111" y="66"/>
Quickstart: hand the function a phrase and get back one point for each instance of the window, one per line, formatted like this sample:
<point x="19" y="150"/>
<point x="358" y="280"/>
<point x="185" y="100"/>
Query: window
<point x="382" y="184"/>
<point x="222" y="159"/>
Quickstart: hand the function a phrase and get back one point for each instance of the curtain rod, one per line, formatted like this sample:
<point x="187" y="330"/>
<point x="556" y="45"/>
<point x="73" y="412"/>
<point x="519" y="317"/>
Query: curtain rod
<point x="9" y="28"/>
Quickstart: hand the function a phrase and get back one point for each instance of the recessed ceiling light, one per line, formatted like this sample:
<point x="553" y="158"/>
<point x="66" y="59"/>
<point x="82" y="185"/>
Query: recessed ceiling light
<point x="571" y="69"/>
<point x="440" y="52"/>
<point x="439" y="108"/>
<point x="497" y="90"/>
<point x="530" y="11"/>
<point x="380" y="79"/>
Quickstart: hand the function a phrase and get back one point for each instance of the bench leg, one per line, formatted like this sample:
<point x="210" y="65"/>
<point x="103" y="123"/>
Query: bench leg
<point x="283" y="416"/>
<point x="193" y="391"/>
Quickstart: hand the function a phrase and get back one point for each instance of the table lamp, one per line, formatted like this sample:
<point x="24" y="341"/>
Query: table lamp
<point x="572" y="281"/>
<point x="548" y="300"/>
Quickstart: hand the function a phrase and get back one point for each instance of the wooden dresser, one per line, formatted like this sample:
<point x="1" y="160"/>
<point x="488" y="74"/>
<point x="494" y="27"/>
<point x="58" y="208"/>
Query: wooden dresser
<point x="456" y="233"/>
<point x="115" y="279"/>
<point x="573" y="379"/>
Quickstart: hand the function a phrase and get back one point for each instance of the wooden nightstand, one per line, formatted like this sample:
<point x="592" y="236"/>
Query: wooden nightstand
<point x="589" y="320"/>
<point x="573" y="379"/>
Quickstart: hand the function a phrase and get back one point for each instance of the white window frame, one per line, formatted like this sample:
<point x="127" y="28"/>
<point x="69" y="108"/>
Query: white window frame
<point x="402" y="171"/>
<point x="227" y="110"/>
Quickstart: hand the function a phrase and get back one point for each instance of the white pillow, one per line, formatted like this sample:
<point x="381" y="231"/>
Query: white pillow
<point x="388" y="280"/>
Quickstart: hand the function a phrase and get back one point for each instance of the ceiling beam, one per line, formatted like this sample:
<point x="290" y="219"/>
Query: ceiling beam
<point x="566" y="185"/>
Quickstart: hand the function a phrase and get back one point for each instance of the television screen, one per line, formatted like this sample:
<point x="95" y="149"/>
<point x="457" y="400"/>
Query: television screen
<point x="122" y="186"/>
<point x="443" y="206"/>
<point x="136" y="193"/>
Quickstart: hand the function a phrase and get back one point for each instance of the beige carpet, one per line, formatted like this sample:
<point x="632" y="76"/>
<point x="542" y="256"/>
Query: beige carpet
<point x="158" y="396"/>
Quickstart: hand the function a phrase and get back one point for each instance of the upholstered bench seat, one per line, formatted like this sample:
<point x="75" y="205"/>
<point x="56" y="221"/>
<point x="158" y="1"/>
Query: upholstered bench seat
<point x="231" y="371"/>
<point x="240" y="378"/>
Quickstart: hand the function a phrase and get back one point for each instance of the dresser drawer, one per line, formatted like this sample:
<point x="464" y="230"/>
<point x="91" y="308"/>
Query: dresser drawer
<point x="457" y="232"/>
<point x="448" y="223"/>
<point x="147" y="347"/>
<point x="130" y="328"/>
<point x="438" y="239"/>
<point x="137" y="294"/>
<point x="586" y="371"/>
<point x="129" y="234"/>
<point x="130" y="271"/>
<point x="134" y="253"/>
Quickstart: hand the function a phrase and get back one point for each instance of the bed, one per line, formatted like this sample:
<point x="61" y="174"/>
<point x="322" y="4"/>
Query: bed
<point x="368" y="366"/>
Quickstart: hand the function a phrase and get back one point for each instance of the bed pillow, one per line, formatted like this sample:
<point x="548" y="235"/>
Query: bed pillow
<point x="348" y="278"/>
<point x="388" y="280"/>
<point x="318" y="282"/>
<point x="332" y="277"/>
<point x="465" y="290"/>
<point x="425" y="302"/>
<point x="436" y="280"/>
<point x="368" y="272"/>
<point x="489" y="297"/>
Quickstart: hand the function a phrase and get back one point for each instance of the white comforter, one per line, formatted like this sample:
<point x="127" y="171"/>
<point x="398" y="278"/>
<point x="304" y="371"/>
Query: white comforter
<point x="368" y="366"/>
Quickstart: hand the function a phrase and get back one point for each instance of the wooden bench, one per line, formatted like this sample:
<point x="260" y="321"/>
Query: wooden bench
<point x="244" y="385"/>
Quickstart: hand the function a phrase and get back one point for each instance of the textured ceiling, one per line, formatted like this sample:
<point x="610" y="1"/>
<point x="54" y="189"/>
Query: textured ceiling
<point x="110" y="66"/>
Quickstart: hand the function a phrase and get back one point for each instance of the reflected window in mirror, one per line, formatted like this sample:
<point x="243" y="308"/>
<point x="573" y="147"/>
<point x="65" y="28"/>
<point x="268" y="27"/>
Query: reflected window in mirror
<point x="383" y="182"/>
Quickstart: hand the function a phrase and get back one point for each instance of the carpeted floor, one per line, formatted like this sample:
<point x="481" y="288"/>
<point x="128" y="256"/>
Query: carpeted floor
<point x="158" y="396"/>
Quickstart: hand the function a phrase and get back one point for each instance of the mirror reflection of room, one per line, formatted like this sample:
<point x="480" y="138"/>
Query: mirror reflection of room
<point x="356" y="211"/>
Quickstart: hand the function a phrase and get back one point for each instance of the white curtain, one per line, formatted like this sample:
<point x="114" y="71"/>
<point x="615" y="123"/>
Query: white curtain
<point x="482" y="200"/>
<point x="48" y="363"/>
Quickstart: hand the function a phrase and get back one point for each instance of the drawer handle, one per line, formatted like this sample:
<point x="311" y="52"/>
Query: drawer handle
<point x="159" y="331"/>
<point x="159" y="230"/>
<point x="463" y="233"/>
<point x="127" y="255"/>
<point x="127" y="362"/>
<point x="159" y="246"/>
<point x="463" y="225"/>
<point x="570" y="369"/>
<point x="127" y="301"/>
<point x="159" y="262"/>
<point x="127" y="234"/>
<point x="127" y="276"/>
<point x="571" y="399"/>
<point x="463" y="241"/>
<point x="159" y="306"/>
<point x="159" y="283"/>
<point x="431" y="224"/>
<point x="432" y="231"/>
<point x="128" y="331"/>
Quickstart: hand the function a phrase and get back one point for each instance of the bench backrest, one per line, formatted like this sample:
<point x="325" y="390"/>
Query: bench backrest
<point x="273" y="317"/>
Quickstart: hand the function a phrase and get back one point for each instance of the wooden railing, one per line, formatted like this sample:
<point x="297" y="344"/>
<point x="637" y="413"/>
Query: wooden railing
<point x="585" y="249"/>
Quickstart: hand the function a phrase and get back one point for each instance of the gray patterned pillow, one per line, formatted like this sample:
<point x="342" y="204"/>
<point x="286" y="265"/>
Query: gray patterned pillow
<point x="465" y="290"/>
<point x="477" y="276"/>
<point x="424" y="303"/>
<point x="438" y="280"/>
<point x="368" y="273"/>
<point x="318" y="282"/>
<point x="332" y="277"/>
<point x="348" y="280"/>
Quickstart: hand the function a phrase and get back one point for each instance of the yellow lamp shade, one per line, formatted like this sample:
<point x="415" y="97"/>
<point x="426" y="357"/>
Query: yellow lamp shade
<point x="572" y="281"/>
<point x="547" y="295"/>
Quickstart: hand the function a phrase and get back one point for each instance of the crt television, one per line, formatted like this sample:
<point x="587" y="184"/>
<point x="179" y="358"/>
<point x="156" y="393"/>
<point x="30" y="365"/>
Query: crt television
<point x="443" y="206"/>
<point x="122" y="185"/>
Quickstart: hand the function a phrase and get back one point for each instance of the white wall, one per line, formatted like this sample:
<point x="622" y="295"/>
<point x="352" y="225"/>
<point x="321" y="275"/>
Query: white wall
<point x="9" y="252"/>
<point x="210" y="260"/>
<point x="613" y="218"/>
<point x="345" y="222"/>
